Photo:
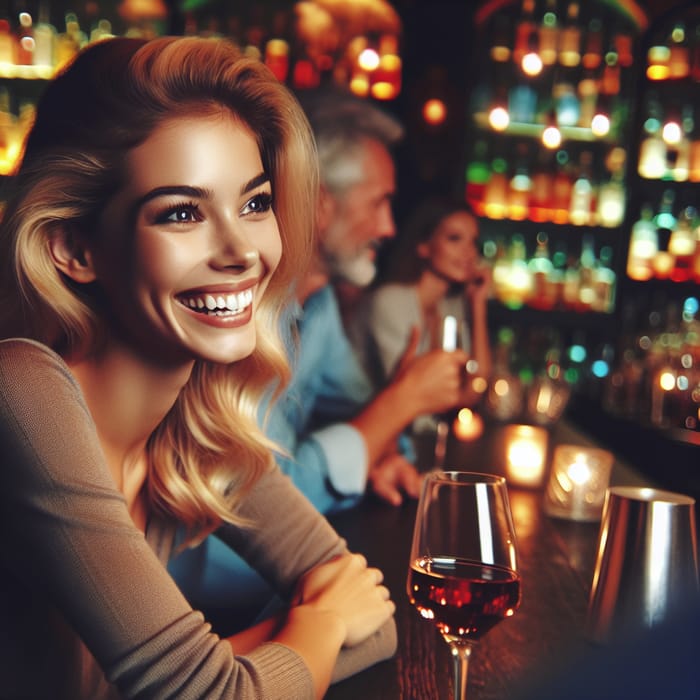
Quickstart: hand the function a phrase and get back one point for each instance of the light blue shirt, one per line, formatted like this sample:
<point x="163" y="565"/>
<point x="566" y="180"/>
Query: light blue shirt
<point x="327" y="457"/>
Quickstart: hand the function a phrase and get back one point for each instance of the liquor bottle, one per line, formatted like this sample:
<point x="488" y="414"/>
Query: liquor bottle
<point x="541" y="188"/>
<point x="580" y="210"/>
<point x="7" y="132"/>
<point x="682" y="245"/>
<point x="500" y="269"/>
<point x="610" y="79"/>
<point x="570" y="38"/>
<point x="696" y="263"/>
<point x="524" y="31"/>
<point x="678" y="58"/>
<point x="652" y="150"/>
<point x="593" y="45"/>
<point x="477" y="176"/>
<point x="520" y="188"/>
<point x="664" y="219"/>
<point x="25" y="39"/>
<point x="610" y="211"/>
<point x="518" y="287"/>
<point x="694" y="153"/>
<point x="8" y="43"/>
<point x="70" y="41"/>
<point x="588" y="89"/>
<point x="44" y="37"/>
<point x="496" y="191"/>
<point x="586" y="276"/>
<point x="643" y="246"/>
<point x="624" y="45"/>
<point x="567" y="107"/>
<point x="694" y="69"/>
<point x="561" y="194"/>
<point x="522" y="103"/>
<point x="549" y="34"/>
<point x="501" y="39"/>
<point x="604" y="281"/>
<point x="678" y="152"/>
<point x="543" y="295"/>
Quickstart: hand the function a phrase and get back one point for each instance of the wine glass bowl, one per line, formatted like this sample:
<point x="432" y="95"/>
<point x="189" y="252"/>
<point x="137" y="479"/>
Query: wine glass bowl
<point x="463" y="572"/>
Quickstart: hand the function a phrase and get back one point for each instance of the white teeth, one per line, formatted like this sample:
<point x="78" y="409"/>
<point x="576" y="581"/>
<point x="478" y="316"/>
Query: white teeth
<point x="221" y="305"/>
<point x="236" y="302"/>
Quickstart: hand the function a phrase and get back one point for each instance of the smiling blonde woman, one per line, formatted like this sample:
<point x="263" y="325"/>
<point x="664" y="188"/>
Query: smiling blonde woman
<point x="160" y="215"/>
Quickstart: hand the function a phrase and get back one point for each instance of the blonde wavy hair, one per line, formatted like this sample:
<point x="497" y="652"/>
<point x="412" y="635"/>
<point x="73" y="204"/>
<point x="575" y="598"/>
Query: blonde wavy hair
<point x="209" y="450"/>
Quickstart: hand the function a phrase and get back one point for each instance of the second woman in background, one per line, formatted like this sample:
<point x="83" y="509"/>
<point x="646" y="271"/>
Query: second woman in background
<point x="433" y="270"/>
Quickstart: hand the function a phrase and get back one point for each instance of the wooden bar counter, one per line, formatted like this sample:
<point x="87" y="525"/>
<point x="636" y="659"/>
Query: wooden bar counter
<point x="556" y="559"/>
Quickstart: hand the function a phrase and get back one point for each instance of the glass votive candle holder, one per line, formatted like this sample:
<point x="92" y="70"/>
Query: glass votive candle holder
<point x="526" y="455"/>
<point x="577" y="482"/>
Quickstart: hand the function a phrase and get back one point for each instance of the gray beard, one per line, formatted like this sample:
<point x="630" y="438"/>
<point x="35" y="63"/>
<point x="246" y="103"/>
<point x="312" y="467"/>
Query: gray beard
<point x="358" y="271"/>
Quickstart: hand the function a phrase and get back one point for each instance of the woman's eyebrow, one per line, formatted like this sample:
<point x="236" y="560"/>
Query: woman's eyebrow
<point x="183" y="190"/>
<point x="255" y="182"/>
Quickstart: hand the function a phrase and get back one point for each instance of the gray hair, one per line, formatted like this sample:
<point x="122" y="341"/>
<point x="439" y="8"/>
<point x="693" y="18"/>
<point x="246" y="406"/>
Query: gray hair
<point x="342" y="123"/>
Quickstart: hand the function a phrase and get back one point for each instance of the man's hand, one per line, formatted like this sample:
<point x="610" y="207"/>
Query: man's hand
<point x="431" y="382"/>
<point x="394" y="477"/>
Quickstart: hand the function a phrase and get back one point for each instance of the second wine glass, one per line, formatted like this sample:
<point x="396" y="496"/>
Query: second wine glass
<point x="463" y="573"/>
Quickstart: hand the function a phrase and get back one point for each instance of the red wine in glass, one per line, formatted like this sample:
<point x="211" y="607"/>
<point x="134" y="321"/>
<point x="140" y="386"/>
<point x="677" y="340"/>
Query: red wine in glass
<point x="464" y="599"/>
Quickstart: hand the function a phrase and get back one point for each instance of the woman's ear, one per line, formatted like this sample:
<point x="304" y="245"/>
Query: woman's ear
<point x="71" y="256"/>
<point x="423" y="251"/>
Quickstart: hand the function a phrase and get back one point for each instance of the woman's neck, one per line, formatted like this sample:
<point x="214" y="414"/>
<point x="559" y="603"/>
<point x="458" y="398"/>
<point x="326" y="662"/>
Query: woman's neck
<point x="431" y="290"/>
<point x="128" y="397"/>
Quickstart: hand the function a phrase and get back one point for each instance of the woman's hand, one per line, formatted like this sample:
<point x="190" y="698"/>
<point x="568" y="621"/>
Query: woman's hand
<point x="347" y="588"/>
<point x="478" y="288"/>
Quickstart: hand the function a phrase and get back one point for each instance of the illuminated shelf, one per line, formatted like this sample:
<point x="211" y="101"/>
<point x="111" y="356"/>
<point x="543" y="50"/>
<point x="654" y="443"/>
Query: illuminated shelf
<point x="573" y="133"/>
<point x="11" y="70"/>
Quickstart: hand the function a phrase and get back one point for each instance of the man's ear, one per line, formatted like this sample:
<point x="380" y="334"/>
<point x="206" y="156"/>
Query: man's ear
<point x="71" y="256"/>
<point x="325" y="210"/>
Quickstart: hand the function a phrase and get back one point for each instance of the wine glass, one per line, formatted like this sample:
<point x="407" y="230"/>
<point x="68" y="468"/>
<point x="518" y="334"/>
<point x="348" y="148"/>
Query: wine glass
<point x="463" y="572"/>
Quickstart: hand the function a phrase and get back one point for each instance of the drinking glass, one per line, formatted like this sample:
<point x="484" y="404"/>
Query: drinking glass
<point x="451" y="337"/>
<point x="463" y="572"/>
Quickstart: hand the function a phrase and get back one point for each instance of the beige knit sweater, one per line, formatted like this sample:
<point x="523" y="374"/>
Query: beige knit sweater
<point x="87" y="609"/>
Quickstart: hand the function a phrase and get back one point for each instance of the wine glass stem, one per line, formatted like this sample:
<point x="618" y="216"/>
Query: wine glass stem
<point x="460" y="664"/>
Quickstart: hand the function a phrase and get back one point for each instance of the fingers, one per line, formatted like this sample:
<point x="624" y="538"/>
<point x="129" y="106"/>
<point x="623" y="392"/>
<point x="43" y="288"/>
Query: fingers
<point x="387" y="492"/>
<point x="395" y="477"/>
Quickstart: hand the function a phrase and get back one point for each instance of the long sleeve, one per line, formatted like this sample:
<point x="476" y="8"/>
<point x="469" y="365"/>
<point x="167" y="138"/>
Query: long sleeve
<point x="73" y="561"/>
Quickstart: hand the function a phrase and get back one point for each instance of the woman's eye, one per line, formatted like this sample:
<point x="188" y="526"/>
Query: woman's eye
<point x="181" y="214"/>
<point x="260" y="203"/>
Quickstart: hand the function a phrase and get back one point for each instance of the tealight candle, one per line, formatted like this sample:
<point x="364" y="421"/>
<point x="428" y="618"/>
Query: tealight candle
<point x="468" y="425"/>
<point x="526" y="452"/>
<point x="577" y="484"/>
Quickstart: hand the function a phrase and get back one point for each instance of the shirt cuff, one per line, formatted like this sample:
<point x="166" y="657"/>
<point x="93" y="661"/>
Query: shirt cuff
<point x="346" y="457"/>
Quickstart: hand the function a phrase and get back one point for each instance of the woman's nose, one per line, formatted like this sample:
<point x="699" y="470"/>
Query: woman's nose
<point x="234" y="249"/>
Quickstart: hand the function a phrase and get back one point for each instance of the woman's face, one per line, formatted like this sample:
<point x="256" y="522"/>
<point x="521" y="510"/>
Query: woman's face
<point x="451" y="252"/>
<point x="187" y="247"/>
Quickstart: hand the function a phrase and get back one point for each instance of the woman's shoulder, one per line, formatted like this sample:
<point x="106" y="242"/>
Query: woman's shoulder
<point x="393" y="292"/>
<point x="26" y="351"/>
<point x="26" y="362"/>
